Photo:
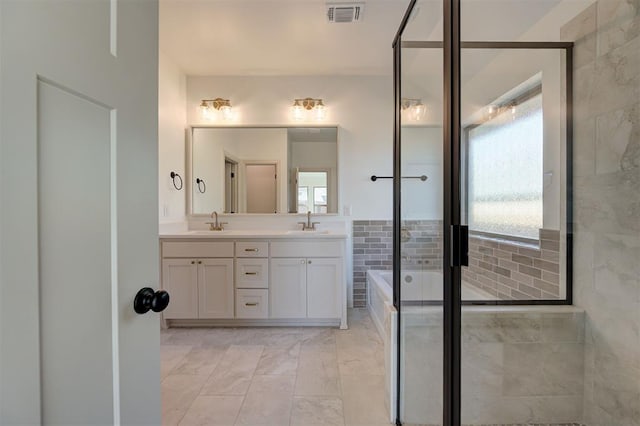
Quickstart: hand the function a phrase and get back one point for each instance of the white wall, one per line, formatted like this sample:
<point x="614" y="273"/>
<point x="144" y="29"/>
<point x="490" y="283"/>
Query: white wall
<point x="172" y="118"/>
<point x="422" y="155"/>
<point x="361" y="105"/>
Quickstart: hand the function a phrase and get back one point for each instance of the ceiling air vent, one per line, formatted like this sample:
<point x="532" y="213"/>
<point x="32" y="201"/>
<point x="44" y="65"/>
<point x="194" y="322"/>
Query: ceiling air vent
<point x="344" y="12"/>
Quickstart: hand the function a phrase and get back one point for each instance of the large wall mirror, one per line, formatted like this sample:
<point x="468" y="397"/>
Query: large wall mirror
<point x="263" y="170"/>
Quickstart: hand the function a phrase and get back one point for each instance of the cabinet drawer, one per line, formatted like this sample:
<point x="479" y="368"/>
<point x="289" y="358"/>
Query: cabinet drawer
<point x="197" y="249"/>
<point x="252" y="249"/>
<point x="252" y="273"/>
<point x="252" y="303"/>
<point x="306" y="249"/>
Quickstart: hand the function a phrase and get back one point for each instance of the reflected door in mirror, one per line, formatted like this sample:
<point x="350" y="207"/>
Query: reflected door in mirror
<point x="261" y="182"/>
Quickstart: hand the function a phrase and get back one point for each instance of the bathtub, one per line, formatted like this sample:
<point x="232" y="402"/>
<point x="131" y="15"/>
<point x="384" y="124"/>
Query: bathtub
<point x="417" y="286"/>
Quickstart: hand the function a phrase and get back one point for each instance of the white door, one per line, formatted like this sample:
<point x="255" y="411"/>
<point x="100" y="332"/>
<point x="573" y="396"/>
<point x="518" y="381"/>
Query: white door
<point x="79" y="225"/>
<point x="261" y="184"/>
<point x="288" y="288"/>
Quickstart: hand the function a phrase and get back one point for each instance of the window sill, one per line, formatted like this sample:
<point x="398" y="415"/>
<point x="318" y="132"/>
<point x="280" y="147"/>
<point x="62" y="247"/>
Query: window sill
<point x="503" y="239"/>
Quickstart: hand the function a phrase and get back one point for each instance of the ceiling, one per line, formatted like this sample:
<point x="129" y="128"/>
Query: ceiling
<point x="293" y="37"/>
<point x="277" y="37"/>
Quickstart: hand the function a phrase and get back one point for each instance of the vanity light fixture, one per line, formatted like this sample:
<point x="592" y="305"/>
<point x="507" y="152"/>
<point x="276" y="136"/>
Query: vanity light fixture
<point x="494" y="110"/>
<point x="310" y="106"/>
<point x="209" y="108"/>
<point x="415" y="107"/>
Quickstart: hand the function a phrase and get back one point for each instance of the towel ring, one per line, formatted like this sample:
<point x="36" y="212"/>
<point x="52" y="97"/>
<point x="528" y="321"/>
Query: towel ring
<point x="201" y="188"/>
<point x="174" y="175"/>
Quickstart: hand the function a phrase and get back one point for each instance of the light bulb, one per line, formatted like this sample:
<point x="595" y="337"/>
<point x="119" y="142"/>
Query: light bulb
<point x="226" y="112"/>
<point x="321" y="111"/>
<point x="206" y="111"/>
<point x="297" y="111"/>
<point x="419" y="110"/>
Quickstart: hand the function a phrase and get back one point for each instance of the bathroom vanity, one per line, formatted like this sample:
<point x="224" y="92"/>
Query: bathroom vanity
<point x="275" y="278"/>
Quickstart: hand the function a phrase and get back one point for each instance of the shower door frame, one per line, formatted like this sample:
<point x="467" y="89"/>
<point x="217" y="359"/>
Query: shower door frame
<point x="455" y="235"/>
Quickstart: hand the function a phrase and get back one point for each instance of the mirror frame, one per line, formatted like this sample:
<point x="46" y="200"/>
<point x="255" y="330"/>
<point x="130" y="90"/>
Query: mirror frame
<point x="189" y="165"/>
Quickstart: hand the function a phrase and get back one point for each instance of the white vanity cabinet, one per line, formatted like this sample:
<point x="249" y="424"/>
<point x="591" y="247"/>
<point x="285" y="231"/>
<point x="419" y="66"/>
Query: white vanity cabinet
<point x="199" y="279"/>
<point x="274" y="280"/>
<point x="307" y="287"/>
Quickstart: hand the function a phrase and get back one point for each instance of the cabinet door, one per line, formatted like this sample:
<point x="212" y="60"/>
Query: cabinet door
<point x="288" y="288"/>
<point x="215" y="288"/>
<point x="180" y="279"/>
<point x="324" y="287"/>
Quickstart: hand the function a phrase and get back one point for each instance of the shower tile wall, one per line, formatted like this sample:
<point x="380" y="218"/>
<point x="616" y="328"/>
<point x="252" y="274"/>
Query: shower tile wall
<point x="607" y="205"/>
<point x="373" y="249"/>
<point x="517" y="367"/>
<point x="510" y="270"/>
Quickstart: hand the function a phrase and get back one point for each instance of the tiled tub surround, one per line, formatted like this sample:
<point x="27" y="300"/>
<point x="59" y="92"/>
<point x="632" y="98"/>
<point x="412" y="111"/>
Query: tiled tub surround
<point x="508" y="269"/>
<point x="373" y="249"/>
<point x="607" y="205"/>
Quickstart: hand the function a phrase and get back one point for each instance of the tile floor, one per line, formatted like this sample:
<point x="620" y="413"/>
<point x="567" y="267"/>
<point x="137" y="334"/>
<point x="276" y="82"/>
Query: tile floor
<point x="281" y="376"/>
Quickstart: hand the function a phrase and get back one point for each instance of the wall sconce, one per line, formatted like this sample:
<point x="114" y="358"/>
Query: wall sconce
<point x="310" y="106"/>
<point x="415" y="107"/>
<point x="209" y="109"/>
<point x="495" y="110"/>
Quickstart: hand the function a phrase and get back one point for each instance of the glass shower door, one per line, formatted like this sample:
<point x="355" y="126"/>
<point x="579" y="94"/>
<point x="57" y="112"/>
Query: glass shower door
<point x="419" y="279"/>
<point x="521" y="363"/>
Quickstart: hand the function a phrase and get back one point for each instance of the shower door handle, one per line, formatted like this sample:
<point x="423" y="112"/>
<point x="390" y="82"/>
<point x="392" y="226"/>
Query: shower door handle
<point x="459" y="245"/>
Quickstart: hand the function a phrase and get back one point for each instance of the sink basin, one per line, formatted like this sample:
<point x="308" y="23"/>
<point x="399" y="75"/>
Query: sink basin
<point x="206" y="232"/>
<point x="299" y="232"/>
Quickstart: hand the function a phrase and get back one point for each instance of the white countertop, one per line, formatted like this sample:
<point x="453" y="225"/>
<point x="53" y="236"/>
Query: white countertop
<point x="255" y="233"/>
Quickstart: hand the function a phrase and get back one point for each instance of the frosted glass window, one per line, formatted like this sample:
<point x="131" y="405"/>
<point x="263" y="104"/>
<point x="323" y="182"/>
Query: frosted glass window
<point x="505" y="172"/>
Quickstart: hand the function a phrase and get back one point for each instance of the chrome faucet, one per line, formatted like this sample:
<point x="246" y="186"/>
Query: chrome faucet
<point x="216" y="226"/>
<point x="308" y="225"/>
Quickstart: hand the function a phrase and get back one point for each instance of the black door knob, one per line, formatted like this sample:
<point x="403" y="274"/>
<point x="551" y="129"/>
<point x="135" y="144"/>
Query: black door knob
<point x="147" y="299"/>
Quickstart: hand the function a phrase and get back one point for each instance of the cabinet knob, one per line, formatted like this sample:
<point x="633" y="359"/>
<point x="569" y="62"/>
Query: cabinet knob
<point x="302" y="261"/>
<point x="193" y="262"/>
<point x="146" y="299"/>
<point x="309" y="262"/>
<point x="199" y="262"/>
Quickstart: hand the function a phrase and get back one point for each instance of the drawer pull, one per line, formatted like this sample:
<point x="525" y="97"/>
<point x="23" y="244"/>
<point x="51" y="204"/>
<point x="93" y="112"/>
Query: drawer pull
<point x="251" y="304"/>
<point x="251" y="273"/>
<point x="251" y="249"/>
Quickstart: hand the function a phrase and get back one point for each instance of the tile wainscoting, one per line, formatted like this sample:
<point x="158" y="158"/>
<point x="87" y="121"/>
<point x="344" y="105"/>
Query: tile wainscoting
<point x="373" y="249"/>
<point x="511" y="270"/>
<point x="505" y="268"/>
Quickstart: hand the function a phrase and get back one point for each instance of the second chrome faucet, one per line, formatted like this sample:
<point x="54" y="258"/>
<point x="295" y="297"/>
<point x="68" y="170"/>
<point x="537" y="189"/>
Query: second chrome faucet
<point x="216" y="226"/>
<point x="308" y="225"/>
